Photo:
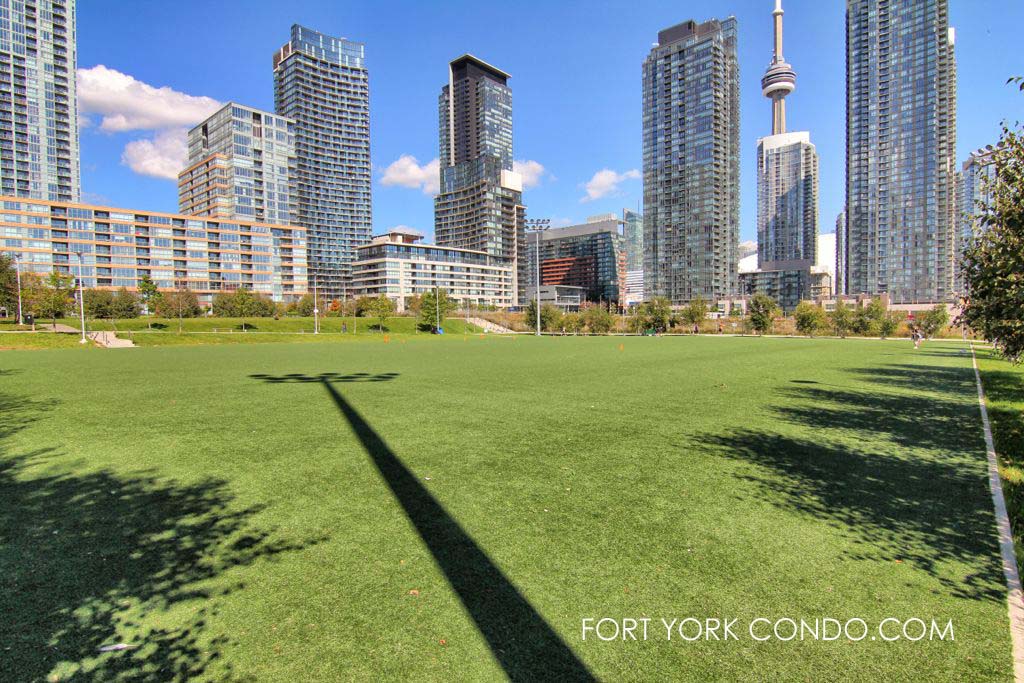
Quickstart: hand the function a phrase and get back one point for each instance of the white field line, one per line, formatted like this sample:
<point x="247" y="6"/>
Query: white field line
<point x="1014" y="597"/>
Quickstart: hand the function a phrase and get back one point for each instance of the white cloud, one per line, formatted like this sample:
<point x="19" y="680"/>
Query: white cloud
<point x="163" y="156"/>
<point x="606" y="182"/>
<point x="532" y="171"/>
<point x="406" y="171"/>
<point x="95" y="198"/>
<point x="125" y="103"/>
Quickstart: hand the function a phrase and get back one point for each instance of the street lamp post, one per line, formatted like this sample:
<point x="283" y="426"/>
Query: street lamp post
<point x="17" y="271"/>
<point x="81" y="298"/>
<point x="437" y="308"/>
<point x="537" y="226"/>
<point x="316" y="309"/>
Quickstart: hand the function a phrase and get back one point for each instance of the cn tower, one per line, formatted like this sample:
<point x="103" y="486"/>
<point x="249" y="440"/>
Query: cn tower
<point x="780" y="79"/>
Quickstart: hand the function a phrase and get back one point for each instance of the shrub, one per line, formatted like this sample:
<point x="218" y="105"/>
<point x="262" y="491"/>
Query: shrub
<point x="810" y="318"/>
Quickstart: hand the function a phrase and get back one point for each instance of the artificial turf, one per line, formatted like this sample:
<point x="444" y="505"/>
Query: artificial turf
<point x="452" y="508"/>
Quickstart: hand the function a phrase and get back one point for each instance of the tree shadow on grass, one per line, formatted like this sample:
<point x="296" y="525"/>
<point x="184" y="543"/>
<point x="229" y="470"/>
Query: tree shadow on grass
<point x="906" y="420"/>
<point x="895" y="508"/>
<point x="95" y="559"/>
<point x="901" y="473"/>
<point x="522" y="642"/>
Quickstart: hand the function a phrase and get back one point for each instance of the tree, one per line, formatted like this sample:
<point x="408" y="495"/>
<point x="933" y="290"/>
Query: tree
<point x="934" y="320"/>
<point x="33" y="291"/>
<point x="599" y="320"/>
<point x="659" y="312"/>
<point x="993" y="263"/>
<point x="149" y="293"/>
<point x="867" y="319"/>
<point x="414" y="304"/>
<point x="810" y="318"/>
<point x="531" y="314"/>
<point x="362" y="306"/>
<point x="889" y="324"/>
<point x="181" y="303"/>
<point x="550" y="317"/>
<point x="572" y="322"/>
<point x="8" y="284"/>
<point x="695" y="311"/>
<point x="434" y="306"/>
<point x="381" y="308"/>
<point x="305" y="305"/>
<point x="125" y="304"/>
<point x="840" y="319"/>
<point x="763" y="310"/>
<point x="99" y="303"/>
<point x="638" y="319"/>
<point x="56" y="296"/>
<point x="242" y="303"/>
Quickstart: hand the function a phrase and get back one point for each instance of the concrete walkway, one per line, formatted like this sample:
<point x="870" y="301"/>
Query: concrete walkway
<point x="109" y="340"/>
<point x="56" y="328"/>
<point x="488" y="326"/>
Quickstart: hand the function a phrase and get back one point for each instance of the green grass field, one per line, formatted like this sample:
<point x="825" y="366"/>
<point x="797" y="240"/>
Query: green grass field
<point x="452" y="508"/>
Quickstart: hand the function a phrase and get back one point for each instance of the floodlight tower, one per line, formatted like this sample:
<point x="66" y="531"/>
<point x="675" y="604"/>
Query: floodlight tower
<point x="780" y="79"/>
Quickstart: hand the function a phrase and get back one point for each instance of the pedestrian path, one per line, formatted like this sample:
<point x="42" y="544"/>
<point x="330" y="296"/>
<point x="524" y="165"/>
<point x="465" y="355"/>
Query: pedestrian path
<point x="488" y="326"/>
<point x="110" y="340"/>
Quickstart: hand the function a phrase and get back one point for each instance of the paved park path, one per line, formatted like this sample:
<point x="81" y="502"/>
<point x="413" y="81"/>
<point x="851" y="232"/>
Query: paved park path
<point x="489" y="326"/>
<point x="110" y="340"/>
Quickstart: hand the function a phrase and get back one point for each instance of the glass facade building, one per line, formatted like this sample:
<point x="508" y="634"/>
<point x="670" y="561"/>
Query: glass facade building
<point x="633" y="231"/>
<point x="119" y="246"/>
<point x="480" y="206"/>
<point x="900" y="150"/>
<point x="322" y="84"/>
<point x="840" y="284"/>
<point x="973" y="194"/>
<point x="591" y="256"/>
<point x="787" y="286"/>
<point x="787" y="200"/>
<point x="691" y="157"/>
<point x="38" y="100"/>
<point x="238" y="166"/>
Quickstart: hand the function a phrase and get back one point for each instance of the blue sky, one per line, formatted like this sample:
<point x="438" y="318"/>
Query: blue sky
<point x="575" y="70"/>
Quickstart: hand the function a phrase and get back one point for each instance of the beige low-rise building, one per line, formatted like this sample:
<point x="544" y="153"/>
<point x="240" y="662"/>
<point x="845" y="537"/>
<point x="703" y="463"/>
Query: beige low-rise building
<point x="110" y="248"/>
<point x="398" y="266"/>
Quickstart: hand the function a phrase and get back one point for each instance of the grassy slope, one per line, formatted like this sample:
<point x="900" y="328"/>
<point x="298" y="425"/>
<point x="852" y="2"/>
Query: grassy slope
<point x="41" y="340"/>
<point x="396" y="325"/>
<point x="163" y="332"/>
<point x="166" y="495"/>
<point x="1004" y="391"/>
